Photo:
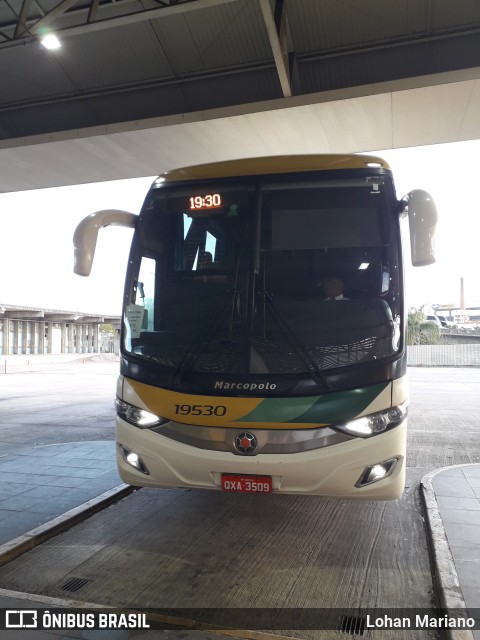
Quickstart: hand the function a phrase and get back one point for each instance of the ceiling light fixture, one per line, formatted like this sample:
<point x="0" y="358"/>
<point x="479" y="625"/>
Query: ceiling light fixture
<point x="50" y="41"/>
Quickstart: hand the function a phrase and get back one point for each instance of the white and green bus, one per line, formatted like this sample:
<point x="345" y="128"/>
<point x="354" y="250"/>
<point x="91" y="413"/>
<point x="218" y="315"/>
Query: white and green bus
<point x="236" y="373"/>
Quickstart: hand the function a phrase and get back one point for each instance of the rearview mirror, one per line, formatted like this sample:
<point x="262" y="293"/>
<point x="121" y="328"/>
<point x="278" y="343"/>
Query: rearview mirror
<point x="422" y="217"/>
<point x="85" y="236"/>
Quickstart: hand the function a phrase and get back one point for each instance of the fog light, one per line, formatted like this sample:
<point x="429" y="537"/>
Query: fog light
<point x="134" y="460"/>
<point x="376" y="472"/>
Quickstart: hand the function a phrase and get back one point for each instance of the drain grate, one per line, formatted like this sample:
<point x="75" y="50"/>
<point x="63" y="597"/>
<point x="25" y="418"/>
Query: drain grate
<point x="352" y="625"/>
<point x="74" y="584"/>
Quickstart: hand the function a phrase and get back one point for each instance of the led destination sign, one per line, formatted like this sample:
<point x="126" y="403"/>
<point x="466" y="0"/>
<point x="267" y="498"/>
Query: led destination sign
<point x="208" y="201"/>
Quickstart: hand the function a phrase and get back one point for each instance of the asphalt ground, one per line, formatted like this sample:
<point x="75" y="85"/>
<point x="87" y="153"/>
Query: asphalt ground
<point x="57" y="471"/>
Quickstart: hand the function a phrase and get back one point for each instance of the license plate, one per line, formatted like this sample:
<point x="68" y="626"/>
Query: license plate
<point x="246" y="484"/>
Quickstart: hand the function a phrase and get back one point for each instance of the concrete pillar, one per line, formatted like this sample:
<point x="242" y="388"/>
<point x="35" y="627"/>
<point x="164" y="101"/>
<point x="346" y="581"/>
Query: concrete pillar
<point x="50" y="337"/>
<point x="15" y="336"/>
<point x="77" y="338"/>
<point x="84" y="338"/>
<point x="32" y="336"/>
<point x="35" y="327"/>
<point x="63" y="339"/>
<point x="25" y="328"/>
<point x="6" y="336"/>
<point x="96" y="333"/>
<point x="41" y="337"/>
<point x="88" y="338"/>
<point x="11" y="333"/>
<point x="71" y="338"/>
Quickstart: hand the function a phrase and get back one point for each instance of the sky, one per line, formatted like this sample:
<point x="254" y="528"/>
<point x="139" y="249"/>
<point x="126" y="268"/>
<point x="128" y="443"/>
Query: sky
<point x="36" y="262"/>
<point x="36" y="251"/>
<point x="449" y="172"/>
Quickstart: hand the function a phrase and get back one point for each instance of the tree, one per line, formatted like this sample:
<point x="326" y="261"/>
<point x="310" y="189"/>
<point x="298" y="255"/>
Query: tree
<point x="420" y="330"/>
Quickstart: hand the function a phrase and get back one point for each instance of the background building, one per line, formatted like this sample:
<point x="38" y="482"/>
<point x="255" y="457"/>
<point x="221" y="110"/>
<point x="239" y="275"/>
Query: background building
<point x="33" y="330"/>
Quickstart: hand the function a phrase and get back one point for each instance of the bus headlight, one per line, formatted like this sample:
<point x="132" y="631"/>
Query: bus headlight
<point x="140" y="418"/>
<point x="375" y="423"/>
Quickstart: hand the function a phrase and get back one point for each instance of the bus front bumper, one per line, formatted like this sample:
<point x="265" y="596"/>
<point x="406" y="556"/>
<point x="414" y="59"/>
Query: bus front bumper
<point x="335" y="471"/>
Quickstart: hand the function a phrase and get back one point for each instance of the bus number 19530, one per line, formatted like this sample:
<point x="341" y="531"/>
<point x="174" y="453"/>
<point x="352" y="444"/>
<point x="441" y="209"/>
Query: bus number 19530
<point x="200" y="410"/>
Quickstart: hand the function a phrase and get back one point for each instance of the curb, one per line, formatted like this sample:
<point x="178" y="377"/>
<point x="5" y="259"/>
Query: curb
<point x="27" y="541"/>
<point x="445" y="572"/>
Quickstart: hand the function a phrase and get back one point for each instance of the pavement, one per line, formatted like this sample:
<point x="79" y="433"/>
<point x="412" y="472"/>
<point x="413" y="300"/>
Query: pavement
<point x="451" y="499"/>
<point x="40" y="484"/>
<point x="46" y="489"/>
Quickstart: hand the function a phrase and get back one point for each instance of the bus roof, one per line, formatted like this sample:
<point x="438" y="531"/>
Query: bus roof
<point x="274" y="164"/>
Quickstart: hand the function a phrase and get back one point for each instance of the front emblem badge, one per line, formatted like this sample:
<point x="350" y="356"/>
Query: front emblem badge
<point x="245" y="443"/>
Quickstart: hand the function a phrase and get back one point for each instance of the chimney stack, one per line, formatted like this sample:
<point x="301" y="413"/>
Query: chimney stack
<point x="462" y="295"/>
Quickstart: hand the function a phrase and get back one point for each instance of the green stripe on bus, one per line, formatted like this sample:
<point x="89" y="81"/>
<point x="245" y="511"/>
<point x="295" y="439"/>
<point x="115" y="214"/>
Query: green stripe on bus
<point x="330" y="408"/>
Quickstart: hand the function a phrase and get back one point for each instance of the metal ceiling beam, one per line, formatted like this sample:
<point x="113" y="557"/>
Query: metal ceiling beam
<point x="137" y="86"/>
<point x="92" y="12"/>
<point x="141" y="16"/>
<point x="75" y="12"/>
<point x="2" y="33"/>
<point x="51" y="15"/>
<point x="100" y="25"/>
<point x="148" y="14"/>
<point x="22" y="18"/>
<point x="388" y="45"/>
<point x="277" y="35"/>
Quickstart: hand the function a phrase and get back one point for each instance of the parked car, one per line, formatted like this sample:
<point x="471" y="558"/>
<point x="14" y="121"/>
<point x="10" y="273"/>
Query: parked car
<point x="444" y="322"/>
<point x="436" y="320"/>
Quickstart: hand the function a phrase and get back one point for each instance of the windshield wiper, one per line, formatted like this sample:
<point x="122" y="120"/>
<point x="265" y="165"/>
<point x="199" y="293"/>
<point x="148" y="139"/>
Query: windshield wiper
<point x="195" y="350"/>
<point x="299" y="349"/>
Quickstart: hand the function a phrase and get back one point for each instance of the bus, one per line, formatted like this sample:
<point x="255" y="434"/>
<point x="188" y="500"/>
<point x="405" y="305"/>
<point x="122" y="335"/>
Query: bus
<point x="236" y="373"/>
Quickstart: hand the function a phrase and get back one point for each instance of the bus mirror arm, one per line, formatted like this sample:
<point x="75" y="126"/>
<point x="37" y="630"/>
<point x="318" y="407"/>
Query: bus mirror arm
<point x="422" y="218"/>
<point x="86" y="233"/>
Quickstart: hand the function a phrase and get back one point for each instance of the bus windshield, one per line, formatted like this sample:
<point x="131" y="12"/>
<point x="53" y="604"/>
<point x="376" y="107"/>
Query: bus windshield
<point x="229" y="277"/>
